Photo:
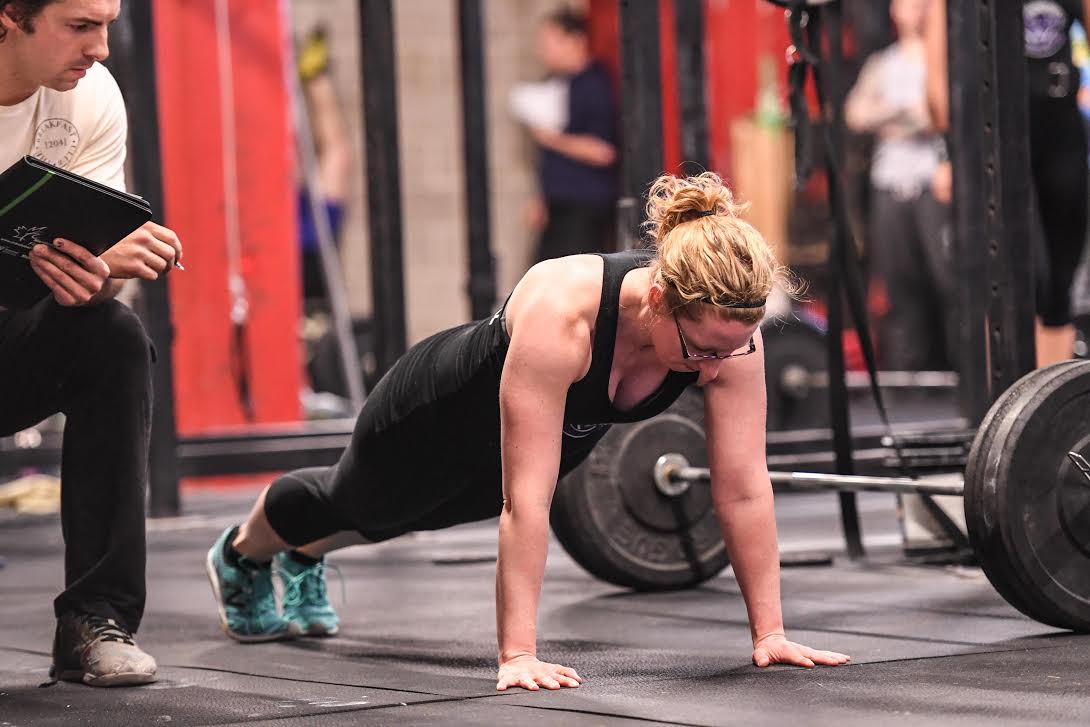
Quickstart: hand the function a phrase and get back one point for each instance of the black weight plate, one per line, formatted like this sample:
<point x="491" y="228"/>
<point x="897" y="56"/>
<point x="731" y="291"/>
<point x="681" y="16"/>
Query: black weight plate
<point x="1053" y="557"/>
<point x="794" y="352"/>
<point x="995" y="420"/>
<point x="979" y="517"/>
<point x="613" y="521"/>
<point x="1029" y="507"/>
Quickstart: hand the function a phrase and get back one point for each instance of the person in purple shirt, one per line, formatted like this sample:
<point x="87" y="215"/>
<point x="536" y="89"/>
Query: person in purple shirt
<point x="578" y="168"/>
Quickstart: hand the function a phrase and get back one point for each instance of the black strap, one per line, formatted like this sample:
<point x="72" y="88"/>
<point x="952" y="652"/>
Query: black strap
<point x="240" y="368"/>
<point x="800" y="59"/>
<point x="802" y="26"/>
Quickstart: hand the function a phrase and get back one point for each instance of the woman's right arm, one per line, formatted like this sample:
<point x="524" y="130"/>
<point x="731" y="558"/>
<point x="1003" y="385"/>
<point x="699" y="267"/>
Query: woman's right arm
<point x="549" y="350"/>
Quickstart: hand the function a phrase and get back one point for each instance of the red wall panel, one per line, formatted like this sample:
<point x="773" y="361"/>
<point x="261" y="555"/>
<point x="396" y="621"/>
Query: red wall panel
<point x="737" y="34"/>
<point x="192" y="120"/>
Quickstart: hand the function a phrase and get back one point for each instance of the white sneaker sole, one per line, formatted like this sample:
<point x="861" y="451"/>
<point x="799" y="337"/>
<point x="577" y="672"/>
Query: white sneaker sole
<point x="210" y="569"/>
<point x="123" y="679"/>
<point x="117" y="679"/>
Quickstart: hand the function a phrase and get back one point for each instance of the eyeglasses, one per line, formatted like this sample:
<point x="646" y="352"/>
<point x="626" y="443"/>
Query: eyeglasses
<point x="714" y="356"/>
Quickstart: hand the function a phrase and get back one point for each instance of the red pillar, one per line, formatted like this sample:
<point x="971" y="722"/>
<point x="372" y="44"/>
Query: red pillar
<point x="192" y="122"/>
<point x="671" y="104"/>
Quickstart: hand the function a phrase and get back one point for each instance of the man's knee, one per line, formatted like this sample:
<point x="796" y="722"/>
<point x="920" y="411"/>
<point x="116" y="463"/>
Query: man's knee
<point x="119" y="334"/>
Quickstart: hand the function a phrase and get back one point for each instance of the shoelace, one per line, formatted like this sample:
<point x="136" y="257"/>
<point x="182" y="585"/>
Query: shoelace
<point x="106" y="629"/>
<point x="309" y="581"/>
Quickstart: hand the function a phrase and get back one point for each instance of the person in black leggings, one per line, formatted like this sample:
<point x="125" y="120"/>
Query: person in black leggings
<point x="479" y="420"/>
<point x="1058" y="155"/>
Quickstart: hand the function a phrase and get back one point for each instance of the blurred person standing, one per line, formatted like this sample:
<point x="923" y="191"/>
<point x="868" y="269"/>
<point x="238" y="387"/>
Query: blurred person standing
<point x="909" y="236"/>
<point x="1058" y="161"/>
<point x="1058" y="155"/>
<point x="333" y="154"/>
<point x="578" y="166"/>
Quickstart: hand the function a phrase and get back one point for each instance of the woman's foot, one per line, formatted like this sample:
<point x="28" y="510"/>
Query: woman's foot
<point x="306" y="602"/>
<point x="244" y="594"/>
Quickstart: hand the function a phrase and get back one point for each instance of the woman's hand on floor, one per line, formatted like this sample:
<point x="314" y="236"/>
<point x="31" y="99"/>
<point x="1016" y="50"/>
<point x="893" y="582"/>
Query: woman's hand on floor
<point x="776" y="649"/>
<point x="529" y="673"/>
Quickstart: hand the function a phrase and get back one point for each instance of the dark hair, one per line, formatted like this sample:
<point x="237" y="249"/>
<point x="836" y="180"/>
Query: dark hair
<point x="569" y="21"/>
<point x="22" y="12"/>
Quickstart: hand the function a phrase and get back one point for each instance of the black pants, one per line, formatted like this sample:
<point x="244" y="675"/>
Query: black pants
<point x="576" y="229"/>
<point x="1058" y="151"/>
<point x="911" y="245"/>
<point x="94" y="365"/>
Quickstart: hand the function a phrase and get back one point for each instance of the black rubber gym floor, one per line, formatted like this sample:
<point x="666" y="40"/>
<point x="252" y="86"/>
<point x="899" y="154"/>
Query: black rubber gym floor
<point x="930" y="646"/>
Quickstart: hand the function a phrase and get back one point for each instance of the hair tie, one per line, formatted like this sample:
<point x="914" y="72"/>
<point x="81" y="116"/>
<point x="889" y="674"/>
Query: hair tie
<point x="705" y="213"/>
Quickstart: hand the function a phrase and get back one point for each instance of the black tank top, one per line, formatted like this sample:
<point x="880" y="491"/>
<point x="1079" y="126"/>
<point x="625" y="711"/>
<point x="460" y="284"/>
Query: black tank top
<point x="1052" y="72"/>
<point x="446" y="389"/>
<point x="588" y="399"/>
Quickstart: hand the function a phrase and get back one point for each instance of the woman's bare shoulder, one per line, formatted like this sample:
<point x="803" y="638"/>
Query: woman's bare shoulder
<point x="568" y="287"/>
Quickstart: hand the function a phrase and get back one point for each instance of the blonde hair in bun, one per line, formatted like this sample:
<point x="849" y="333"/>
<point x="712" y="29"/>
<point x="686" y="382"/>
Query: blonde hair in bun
<point x="707" y="253"/>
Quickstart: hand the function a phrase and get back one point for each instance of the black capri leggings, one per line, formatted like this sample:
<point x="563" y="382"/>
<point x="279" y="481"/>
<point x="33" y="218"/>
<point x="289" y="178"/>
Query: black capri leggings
<point x="425" y="453"/>
<point x="1058" y="156"/>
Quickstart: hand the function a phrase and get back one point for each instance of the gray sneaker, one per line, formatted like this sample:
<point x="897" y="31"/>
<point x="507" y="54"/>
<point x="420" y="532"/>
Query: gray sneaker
<point x="99" y="651"/>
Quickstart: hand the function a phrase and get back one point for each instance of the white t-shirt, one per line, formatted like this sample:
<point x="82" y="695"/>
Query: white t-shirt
<point x="904" y="164"/>
<point x="82" y="130"/>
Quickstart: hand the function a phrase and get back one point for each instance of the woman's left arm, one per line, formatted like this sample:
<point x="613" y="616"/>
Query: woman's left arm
<point x="742" y="495"/>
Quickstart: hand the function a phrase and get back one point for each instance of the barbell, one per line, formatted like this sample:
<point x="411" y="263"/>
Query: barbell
<point x="632" y="516"/>
<point x="673" y="475"/>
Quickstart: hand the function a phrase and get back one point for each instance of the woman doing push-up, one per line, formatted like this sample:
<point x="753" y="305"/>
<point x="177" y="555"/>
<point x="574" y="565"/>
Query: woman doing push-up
<point x="474" y="422"/>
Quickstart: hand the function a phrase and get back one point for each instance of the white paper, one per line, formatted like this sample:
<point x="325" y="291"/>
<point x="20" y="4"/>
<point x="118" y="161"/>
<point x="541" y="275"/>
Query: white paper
<point x="543" y="104"/>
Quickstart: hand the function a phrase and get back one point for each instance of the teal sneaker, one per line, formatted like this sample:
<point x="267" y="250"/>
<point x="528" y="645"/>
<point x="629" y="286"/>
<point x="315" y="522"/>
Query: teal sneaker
<point x="244" y="595"/>
<point x="306" y="602"/>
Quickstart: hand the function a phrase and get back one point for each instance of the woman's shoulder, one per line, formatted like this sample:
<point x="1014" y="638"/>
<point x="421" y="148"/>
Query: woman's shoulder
<point x="570" y="278"/>
<point x="569" y="288"/>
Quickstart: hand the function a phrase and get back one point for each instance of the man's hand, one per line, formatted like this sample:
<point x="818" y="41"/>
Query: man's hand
<point x="145" y="254"/>
<point x="776" y="649"/>
<point x="529" y="673"/>
<point x="72" y="273"/>
<point x="585" y="148"/>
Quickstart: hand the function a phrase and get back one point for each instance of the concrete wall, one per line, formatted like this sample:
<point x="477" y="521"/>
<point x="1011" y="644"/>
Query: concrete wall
<point x="510" y="29"/>
<point x="429" y="109"/>
<point x="429" y="113"/>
